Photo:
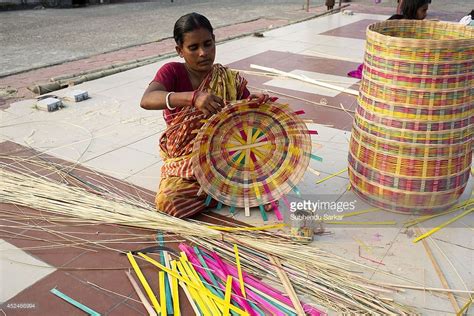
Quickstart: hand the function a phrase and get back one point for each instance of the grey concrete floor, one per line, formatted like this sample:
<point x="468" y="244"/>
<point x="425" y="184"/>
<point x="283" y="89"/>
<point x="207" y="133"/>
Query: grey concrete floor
<point x="36" y="38"/>
<point x="33" y="38"/>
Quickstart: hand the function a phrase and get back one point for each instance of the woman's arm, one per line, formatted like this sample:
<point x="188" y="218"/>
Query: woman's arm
<point x="154" y="98"/>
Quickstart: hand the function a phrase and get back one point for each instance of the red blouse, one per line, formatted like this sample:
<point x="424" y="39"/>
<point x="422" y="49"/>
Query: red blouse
<point x="174" y="77"/>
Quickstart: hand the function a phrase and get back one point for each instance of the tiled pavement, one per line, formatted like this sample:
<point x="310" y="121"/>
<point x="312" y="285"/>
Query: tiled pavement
<point x="111" y="135"/>
<point x="21" y="81"/>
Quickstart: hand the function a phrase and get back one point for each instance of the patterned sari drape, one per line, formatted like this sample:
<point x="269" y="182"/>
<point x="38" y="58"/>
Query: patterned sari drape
<point x="176" y="143"/>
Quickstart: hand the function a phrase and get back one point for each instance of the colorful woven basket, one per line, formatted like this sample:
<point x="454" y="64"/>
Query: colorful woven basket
<point x="250" y="155"/>
<point x="412" y="138"/>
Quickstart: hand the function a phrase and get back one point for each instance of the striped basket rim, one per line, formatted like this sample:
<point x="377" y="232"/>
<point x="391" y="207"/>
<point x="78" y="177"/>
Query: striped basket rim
<point x="466" y="34"/>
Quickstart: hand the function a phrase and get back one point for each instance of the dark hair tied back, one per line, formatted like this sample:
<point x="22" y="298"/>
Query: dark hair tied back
<point x="410" y="7"/>
<point x="188" y="23"/>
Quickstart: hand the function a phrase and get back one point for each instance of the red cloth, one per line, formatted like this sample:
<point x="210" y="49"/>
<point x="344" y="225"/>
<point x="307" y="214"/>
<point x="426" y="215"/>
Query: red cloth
<point x="174" y="77"/>
<point x="357" y="73"/>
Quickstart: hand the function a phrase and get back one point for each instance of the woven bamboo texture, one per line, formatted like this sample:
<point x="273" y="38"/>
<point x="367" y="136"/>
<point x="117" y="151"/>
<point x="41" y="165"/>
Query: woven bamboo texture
<point x="412" y="137"/>
<point x="249" y="155"/>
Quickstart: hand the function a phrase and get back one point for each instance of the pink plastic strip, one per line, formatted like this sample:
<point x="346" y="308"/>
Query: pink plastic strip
<point x="267" y="289"/>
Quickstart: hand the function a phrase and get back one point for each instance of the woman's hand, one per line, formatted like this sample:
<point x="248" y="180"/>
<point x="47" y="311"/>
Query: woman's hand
<point x="207" y="103"/>
<point x="261" y="98"/>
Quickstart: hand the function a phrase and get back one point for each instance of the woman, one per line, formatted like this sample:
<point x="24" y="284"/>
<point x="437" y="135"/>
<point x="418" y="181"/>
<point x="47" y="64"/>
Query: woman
<point x="330" y="4"/>
<point x="188" y="92"/>
<point x="411" y="10"/>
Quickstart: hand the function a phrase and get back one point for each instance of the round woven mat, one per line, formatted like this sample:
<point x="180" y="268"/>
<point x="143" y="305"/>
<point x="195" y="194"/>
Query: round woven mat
<point x="249" y="155"/>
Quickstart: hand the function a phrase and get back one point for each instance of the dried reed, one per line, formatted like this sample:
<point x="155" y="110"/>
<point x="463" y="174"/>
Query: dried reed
<point x="326" y="280"/>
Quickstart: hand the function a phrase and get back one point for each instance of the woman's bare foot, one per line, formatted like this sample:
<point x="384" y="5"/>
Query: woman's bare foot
<point x="269" y="207"/>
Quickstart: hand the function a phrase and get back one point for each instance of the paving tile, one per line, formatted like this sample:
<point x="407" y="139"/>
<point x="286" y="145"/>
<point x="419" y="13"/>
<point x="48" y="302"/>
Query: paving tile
<point x="327" y="110"/>
<point x="334" y="52"/>
<point x="148" y="178"/>
<point x="124" y="146"/>
<point x="353" y="30"/>
<point x="48" y="247"/>
<point x="19" y="270"/>
<point x="294" y="85"/>
<point x="408" y="262"/>
<point x="44" y="300"/>
<point x="118" y="162"/>
<point x="124" y="309"/>
<point x="149" y="144"/>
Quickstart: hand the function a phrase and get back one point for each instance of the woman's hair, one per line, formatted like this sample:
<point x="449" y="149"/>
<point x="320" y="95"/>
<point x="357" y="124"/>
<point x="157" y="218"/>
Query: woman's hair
<point x="188" y="23"/>
<point x="410" y="7"/>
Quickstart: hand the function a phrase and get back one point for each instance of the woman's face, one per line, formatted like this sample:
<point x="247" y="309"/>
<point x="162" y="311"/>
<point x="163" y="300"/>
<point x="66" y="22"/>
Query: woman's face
<point x="198" y="50"/>
<point x="421" y="12"/>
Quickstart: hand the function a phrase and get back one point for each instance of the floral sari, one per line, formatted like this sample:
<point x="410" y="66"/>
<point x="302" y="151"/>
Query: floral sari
<point x="177" y="194"/>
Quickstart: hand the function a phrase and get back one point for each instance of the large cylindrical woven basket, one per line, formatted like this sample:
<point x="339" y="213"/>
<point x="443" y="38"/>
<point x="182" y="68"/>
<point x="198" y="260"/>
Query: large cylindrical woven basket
<point x="412" y="138"/>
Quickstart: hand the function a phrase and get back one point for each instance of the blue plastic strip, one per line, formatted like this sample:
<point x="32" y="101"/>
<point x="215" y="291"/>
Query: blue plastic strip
<point x="256" y="309"/>
<point x="263" y="212"/>
<point x="208" y="200"/>
<point x="74" y="302"/>
<point x="316" y="157"/>
<point x="169" y="302"/>
<point x="297" y="191"/>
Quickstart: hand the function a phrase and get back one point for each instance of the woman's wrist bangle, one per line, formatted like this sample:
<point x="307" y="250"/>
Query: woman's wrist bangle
<point x="168" y="101"/>
<point x="193" y="99"/>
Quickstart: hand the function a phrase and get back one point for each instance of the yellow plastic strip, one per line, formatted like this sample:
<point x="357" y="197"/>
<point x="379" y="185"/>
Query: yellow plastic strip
<point x="228" y="293"/>
<point x="161" y="281"/>
<point x="190" y="298"/>
<point x="144" y="282"/>
<point x="193" y="276"/>
<point x="424" y="218"/>
<point x="360" y="212"/>
<point x="255" y="136"/>
<point x="194" y="292"/>
<point x="174" y="290"/>
<point x="257" y="191"/>
<point x="239" y="271"/>
<point x="362" y="244"/>
<point x="265" y="227"/>
<point x="180" y="278"/>
<point x="434" y="230"/>
<point x="331" y="176"/>
<point x="190" y="272"/>
<point x="464" y="308"/>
